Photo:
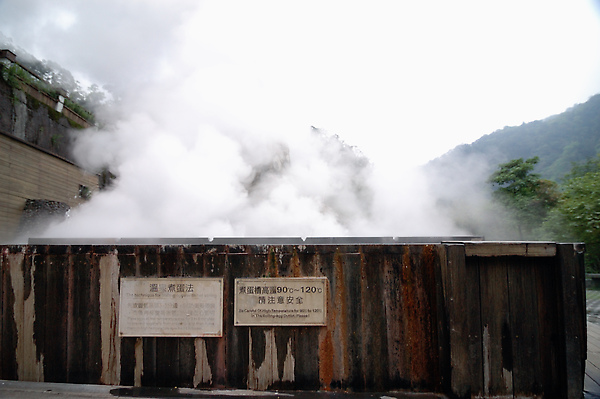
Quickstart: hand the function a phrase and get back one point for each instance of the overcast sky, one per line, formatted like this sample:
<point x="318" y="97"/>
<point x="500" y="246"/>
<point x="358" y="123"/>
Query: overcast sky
<point x="403" y="81"/>
<point x="213" y="131"/>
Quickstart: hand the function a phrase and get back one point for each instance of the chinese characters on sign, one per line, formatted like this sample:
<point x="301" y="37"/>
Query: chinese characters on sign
<point x="292" y="301"/>
<point x="171" y="307"/>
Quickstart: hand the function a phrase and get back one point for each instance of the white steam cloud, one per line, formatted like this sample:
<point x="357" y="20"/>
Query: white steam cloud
<point x="210" y="133"/>
<point x="181" y="173"/>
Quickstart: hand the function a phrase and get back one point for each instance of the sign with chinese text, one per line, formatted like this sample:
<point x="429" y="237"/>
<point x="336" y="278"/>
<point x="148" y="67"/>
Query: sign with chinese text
<point x="171" y="307"/>
<point x="286" y="301"/>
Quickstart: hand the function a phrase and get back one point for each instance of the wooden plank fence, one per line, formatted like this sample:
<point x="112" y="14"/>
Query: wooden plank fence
<point x="473" y="319"/>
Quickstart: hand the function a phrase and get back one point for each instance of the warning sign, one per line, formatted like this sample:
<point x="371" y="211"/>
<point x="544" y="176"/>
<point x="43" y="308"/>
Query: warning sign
<point x="287" y="301"/>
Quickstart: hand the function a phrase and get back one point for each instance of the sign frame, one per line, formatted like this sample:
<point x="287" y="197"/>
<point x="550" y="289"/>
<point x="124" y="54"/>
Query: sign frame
<point x="178" y="299"/>
<point x="310" y="310"/>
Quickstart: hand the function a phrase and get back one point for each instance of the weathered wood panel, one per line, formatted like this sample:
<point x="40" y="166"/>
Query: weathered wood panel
<point x="572" y="288"/>
<point x="496" y="329"/>
<point x="463" y="307"/>
<point x="524" y="328"/>
<point x="426" y="318"/>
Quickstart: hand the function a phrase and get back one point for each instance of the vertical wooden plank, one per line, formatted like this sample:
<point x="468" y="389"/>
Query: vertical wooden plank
<point x="285" y="359"/>
<point x="573" y="300"/>
<point x="305" y="262"/>
<point x="419" y="307"/>
<point x="3" y="253"/>
<point x="550" y="340"/>
<point x="443" y="334"/>
<point x="109" y="315"/>
<point x="167" y="362"/>
<point x="56" y="314"/>
<point x="148" y="266"/>
<point x="30" y="366"/>
<point x="149" y="377"/>
<point x="399" y="359"/>
<point x="171" y="261"/>
<point x="127" y="260"/>
<point x="81" y="331"/>
<point x="191" y="266"/>
<point x="462" y="299"/>
<point x="348" y="362"/>
<point x="40" y="266"/>
<point x="237" y="338"/>
<point x="187" y="364"/>
<point x="495" y="320"/>
<point x="286" y="354"/>
<point x="260" y="353"/>
<point x="167" y="348"/>
<point x="262" y="348"/>
<point x="94" y="347"/>
<point x="55" y="354"/>
<point x="525" y="327"/>
<point x="8" y="342"/>
<point x="216" y="348"/>
<point x="429" y="309"/>
<point x="374" y="349"/>
<point x="148" y="260"/>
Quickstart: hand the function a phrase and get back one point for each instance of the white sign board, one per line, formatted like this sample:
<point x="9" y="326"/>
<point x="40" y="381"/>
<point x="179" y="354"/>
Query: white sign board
<point x="287" y="301"/>
<point x="171" y="307"/>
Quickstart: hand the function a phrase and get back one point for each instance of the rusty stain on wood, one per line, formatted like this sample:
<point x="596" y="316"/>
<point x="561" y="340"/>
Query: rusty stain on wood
<point x="295" y="264"/>
<point x="325" y="359"/>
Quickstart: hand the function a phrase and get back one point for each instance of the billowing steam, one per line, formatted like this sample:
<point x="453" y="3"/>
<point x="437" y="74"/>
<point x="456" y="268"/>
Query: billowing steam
<point x="202" y="178"/>
<point x="210" y="132"/>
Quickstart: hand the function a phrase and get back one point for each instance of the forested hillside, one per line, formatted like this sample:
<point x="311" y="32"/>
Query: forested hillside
<point x="559" y="141"/>
<point x="537" y="181"/>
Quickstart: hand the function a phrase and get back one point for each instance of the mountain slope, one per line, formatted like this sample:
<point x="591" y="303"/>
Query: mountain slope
<point x="559" y="141"/>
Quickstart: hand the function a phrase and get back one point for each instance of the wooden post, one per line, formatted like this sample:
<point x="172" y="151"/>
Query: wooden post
<point x="461" y="294"/>
<point x="571" y="280"/>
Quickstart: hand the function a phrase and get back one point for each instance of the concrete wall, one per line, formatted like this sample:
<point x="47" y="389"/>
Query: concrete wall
<point x="28" y="172"/>
<point x="30" y="115"/>
<point x="35" y="154"/>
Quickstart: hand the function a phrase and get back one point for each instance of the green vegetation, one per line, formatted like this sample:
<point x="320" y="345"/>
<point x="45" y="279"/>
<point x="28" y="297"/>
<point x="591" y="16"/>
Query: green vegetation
<point x="537" y="181"/>
<point x="525" y="193"/>
<point x="54" y="140"/>
<point x="14" y="75"/>
<point x="79" y="110"/>
<point x="541" y="211"/>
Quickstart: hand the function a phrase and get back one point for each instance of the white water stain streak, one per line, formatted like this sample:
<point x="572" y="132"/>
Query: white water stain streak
<point x="29" y="368"/>
<point x="202" y="371"/>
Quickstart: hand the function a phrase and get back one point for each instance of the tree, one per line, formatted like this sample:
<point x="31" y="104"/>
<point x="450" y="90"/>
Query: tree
<point x="580" y="207"/>
<point x="524" y="193"/>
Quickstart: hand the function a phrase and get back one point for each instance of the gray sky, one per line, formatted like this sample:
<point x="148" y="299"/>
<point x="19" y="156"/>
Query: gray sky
<point x="403" y="81"/>
<point x="213" y="135"/>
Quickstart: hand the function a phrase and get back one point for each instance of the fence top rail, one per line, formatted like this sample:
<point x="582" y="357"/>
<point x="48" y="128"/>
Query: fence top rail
<point x="249" y="240"/>
<point x="510" y="248"/>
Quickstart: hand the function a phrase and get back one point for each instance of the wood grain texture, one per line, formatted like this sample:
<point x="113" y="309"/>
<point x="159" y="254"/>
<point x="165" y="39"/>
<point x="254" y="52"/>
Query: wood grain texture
<point x="427" y="318"/>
